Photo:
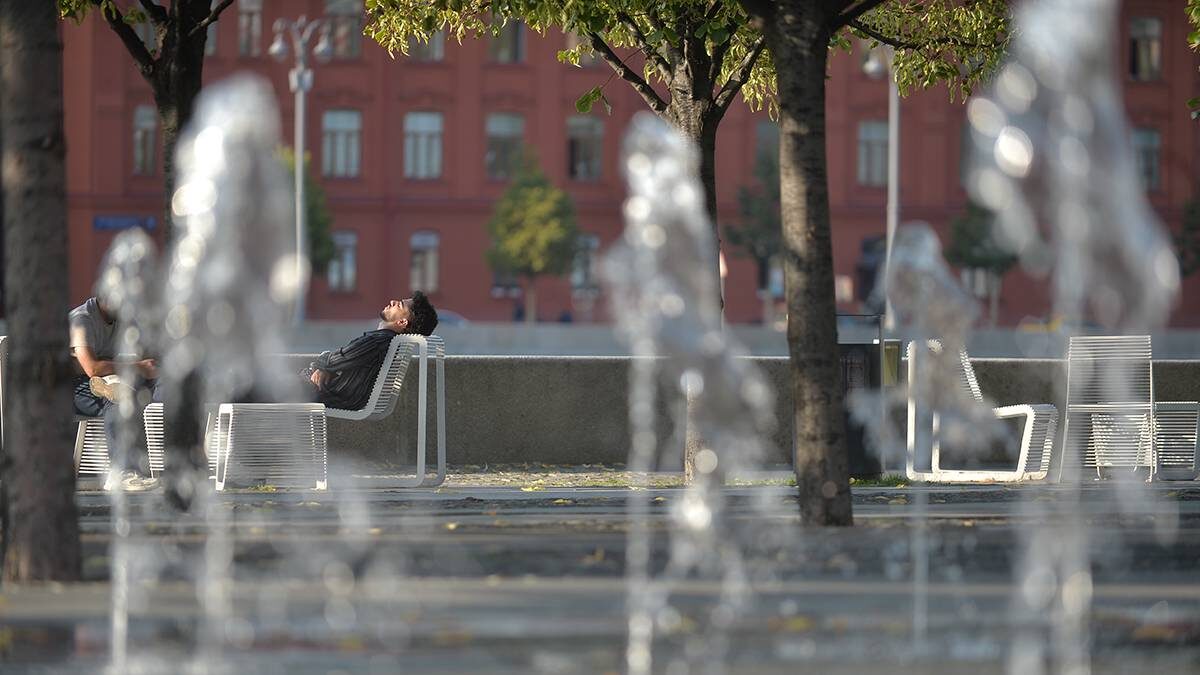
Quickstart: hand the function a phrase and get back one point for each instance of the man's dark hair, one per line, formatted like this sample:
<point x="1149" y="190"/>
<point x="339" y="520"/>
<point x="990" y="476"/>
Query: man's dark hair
<point x="424" y="317"/>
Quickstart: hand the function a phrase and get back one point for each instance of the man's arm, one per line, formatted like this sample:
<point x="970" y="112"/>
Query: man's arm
<point x="358" y="353"/>
<point x="91" y="365"/>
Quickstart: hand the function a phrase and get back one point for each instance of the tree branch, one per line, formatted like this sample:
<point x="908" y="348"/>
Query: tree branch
<point x="852" y="13"/>
<point x="718" y="55"/>
<point x="762" y="8"/>
<point x="211" y="18"/>
<point x="133" y="43"/>
<point x="901" y="44"/>
<point x="711" y="12"/>
<point x="659" y="25"/>
<point x="742" y="73"/>
<point x="651" y="52"/>
<point x="158" y="15"/>
<point x="626" y="73"/>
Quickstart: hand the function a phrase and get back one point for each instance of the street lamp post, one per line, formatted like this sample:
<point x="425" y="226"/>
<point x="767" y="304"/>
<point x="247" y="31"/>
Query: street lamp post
<point x="876" y="66"/>
<point x="300" y="79"/>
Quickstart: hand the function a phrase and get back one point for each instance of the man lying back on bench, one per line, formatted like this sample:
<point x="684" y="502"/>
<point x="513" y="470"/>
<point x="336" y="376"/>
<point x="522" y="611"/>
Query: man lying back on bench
<point x="344" y="378"/>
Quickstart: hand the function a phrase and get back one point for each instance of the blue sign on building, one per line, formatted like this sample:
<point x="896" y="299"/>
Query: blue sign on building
<point x="123" y="222"/>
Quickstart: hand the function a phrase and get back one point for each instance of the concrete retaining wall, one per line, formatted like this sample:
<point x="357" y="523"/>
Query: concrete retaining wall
<point x="573" y="410"/>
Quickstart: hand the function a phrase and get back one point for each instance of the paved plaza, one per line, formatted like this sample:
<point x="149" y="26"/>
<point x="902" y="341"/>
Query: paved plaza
<point x="529" y="575"/>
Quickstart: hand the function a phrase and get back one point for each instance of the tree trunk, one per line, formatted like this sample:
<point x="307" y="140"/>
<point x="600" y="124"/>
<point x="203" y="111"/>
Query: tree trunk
<point x="799" y="42"/>
<point x="530" y="302"/>
<point x="41" y="530"/>
<point x="697" y="121"/>
<point x="176" y="81"/>
<point x="693" y="113"/>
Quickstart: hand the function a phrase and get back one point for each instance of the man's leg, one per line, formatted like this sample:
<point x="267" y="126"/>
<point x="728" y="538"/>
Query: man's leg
<point x="128" y="434"/>
<point x="87" y="403"/>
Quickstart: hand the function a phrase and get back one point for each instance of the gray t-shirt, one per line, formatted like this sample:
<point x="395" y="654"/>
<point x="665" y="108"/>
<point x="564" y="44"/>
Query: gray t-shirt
<point x="89" y="329"/>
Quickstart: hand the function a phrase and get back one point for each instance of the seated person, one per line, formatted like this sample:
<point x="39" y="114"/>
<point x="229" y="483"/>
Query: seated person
<point x="344" y="378"/>
<point x="93" y="343"/>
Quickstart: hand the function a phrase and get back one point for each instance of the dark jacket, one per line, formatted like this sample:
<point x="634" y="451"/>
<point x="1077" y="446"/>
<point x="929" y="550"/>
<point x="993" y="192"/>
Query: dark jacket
<point x="353" y="369"/>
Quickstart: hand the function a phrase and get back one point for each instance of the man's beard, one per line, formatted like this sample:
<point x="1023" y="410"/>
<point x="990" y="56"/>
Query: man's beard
<point x="381" y="316"/>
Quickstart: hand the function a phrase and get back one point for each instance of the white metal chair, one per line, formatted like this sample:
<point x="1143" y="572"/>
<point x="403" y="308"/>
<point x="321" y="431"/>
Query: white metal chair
<point x="1176" y="441"/>
<point x="91" y="445"/>
<point x="1110" y="404"/>
<point x="386" y="392"/>
<point x="1037" y="431"/>
<point x="281" y="444"/>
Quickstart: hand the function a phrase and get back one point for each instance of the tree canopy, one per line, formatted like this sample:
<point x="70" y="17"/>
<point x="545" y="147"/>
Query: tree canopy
<point x="317" y="219"/>
<point x="533" y="227"/>
<point x="662" y="35"/>
<point x="972" y="244"/>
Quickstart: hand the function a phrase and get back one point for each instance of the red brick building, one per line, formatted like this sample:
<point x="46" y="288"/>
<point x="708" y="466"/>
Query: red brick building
<point x="410" y="150"/>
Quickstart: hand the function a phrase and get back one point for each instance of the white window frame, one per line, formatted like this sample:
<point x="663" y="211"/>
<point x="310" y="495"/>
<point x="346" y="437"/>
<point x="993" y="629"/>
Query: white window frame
<point x="871" y="168"/>
<point x="423" y="134"/>
<point x="584" y="276"/>
<point x="145" y="140"/>
<point x="342" y="271"/>
<point x="505" y="133"/>
<point x="1147" y="149"/>
<point x="432" y="50"/>
<point x="585" y="148"/>
<point x="341" y="143"/>
<point x="423" y="266"/>
<point x="1145" y="48"/>
<point x="250" y="28"/>
<point x="509" y="46"/>
<point x="346" y="26"/>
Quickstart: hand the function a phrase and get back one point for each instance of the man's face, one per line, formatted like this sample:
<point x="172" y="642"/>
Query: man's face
<point x="397" y="311"/>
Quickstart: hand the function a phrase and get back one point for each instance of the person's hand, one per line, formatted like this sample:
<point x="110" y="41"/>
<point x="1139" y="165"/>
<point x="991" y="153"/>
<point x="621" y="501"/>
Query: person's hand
<point x="148" y="368"/>
<point x="319" y="378"/>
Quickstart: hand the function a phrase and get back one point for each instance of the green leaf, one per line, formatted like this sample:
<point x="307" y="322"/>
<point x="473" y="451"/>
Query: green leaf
<point x="584" y="103"/>
<point x="1193" y="102"/>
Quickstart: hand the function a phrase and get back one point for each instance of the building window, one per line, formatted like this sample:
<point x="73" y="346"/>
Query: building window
<point x="505" y="132"/>
<point x="249" y="27"/>
<point x="345" y="22"/>
<point x="585" y="138"/>
<point x="586" y="58"/>
<point x="1145" y="48"/>
<point x="509" y="45"/>
<point x="342" y="271"/>
<point x="872" y="153"/>
<point x="423" y="271"/>
<point x="423" y="145"/>
<point x="505" y="284"/>
<point x="583" y="268"/>
<point x="430" y="51"/>
<point x="145" y="140"/>
<point x="1146" y="145"/>
<point x="341" y="132"/>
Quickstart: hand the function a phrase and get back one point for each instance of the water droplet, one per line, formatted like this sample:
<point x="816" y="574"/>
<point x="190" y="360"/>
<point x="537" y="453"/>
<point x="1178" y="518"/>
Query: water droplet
<point x="654" y="236"/>
<point x="1014" y="152"/>
<point x="1016" y="88"/>
<point x="985" y="116"/>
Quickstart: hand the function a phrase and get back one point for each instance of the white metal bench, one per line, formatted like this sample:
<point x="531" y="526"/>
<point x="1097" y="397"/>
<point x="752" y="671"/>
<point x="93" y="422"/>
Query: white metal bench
<point x="1037" y="431"/>
<point x="1113" y="422"/>
<point x="386" y="392"/>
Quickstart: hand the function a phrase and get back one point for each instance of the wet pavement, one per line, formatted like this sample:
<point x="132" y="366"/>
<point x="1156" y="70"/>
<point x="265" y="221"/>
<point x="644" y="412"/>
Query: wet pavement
<point x="498" y="577"/>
